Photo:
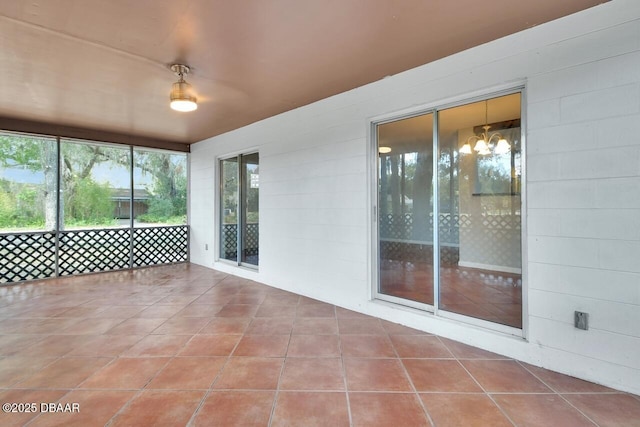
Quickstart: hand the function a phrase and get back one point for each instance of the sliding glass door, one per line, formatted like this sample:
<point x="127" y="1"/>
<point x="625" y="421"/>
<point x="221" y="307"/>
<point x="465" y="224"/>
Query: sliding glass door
<point x="475" y="225"/>
<point x="239" y="197"/>
<point x="405" y="168"/>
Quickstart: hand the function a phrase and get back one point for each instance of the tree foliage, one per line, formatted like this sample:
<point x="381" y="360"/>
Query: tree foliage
<point x="85" y="201"/>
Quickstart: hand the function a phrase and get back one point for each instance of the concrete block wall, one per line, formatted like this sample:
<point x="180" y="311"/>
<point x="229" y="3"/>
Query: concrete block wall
<point x="582" y="243"/>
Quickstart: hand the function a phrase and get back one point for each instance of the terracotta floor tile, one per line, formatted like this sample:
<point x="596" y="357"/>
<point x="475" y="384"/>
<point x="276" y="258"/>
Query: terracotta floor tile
<point x="420" y="346"/>
<point x="226" y="326"/>
<point x="276" y="310"/>
<point x="159" y="408"/>
<point x="360" y="327"/>
<point x="564" y="383"/>
<point x="316" y="310"/>
<point x="366" y="346"/>
<point x="136" y="326"/>
<point x="15" y="369"/>
<point x="126" y="373"/>
<point x="386" y="409"/>
<point x="463" y="351"/>
<point x="504" y="376"/>
<point x="306" y="300"/>
<point x="440" y="375"/>
<point x="160" y="311"/>
<point x="36" y="326"/>
<point x="197" y="317"/>
<point x="20" y="418"/>
<point x="181" y="299"/>
<point x="343" y="313"/>
<point x="396" y="329"/>
<point x="12" y="344"/>
<point x="376" y="375"/>
<point x="81" y="312"/>
<point x="540" y="410"/>
<point x="96" y="408"/>
<point x="118" y="312"/>
<point x="250" y="373"/>
<point x="247" y="299"/>
<point x="270" y="326"/>
<point x="320" y="373"/>
<point x="236" y="409"/>
<point x="200" y="310"/>
<point x="310" y="409"/>
<point x="54" y="345"/>
<point x="238" y="310"/>
<point x="313" y="346"/>
<point x="210" y="345"/>
<point x="608" y="410"/>
<point x="66" y="372"/>
<point x="181" y="325"/>
<point x="91" y="326"/>
<point x="262" y="346"/>
<point x="157" y="345"/>
<point x="188" y="373"/>
<point x="312" y="326"/>
<point x="464" y="410"/>
<point x="282" y="300"/>
<point x="212" y="299"/>
<point x="105" y="345"/>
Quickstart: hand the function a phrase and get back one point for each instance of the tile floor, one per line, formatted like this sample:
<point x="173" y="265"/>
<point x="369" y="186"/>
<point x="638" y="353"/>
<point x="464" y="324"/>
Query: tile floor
<point x="184" y="345"/>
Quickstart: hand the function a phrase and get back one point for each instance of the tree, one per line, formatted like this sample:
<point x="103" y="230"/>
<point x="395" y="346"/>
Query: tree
<point x="83" y="198"/>
<point x="36" y="155"/>
<point x="169" y="185"/>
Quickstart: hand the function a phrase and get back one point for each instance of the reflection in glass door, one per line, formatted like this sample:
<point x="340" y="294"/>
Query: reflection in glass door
<point x="405" y="176"/>
<point x="479" y="210"/>
<point x="477" y="270"/>
<point x="250" y="219"/>
<point x="239" y="213"/>
<point x="229" y="182"/>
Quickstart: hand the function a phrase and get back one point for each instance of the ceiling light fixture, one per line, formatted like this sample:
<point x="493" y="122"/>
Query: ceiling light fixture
<point x="182" y="98"/>
<point x="482" y="143"/>
<point x="384" y="150"/>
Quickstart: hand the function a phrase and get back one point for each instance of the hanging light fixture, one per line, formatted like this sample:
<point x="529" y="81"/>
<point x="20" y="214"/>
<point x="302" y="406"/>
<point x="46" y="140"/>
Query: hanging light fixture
<point x="482" y="143"/>
<point x="182" y="98"/>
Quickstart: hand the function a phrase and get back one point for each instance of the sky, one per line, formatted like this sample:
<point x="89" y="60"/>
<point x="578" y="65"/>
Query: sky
<point x="117" y="177"/>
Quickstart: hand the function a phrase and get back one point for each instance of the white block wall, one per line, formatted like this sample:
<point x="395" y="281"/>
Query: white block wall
<point x="582" y="244"/>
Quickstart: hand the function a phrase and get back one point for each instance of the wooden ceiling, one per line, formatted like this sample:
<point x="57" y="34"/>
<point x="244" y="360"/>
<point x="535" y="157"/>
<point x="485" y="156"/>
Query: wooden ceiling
<point x="103" y="64"/>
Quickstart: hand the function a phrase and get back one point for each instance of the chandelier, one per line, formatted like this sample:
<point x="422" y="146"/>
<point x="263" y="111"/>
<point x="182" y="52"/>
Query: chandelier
<point x="484" y="142"/>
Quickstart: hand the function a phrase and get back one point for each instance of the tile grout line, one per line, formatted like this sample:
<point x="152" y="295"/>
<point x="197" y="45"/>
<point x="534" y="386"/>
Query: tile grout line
<point x="282" y="368"/>
<point x="344" y="368"/>
<point x="413" y="387"/>
<point x="557" y="393"/>
<point x="482" y="388"/>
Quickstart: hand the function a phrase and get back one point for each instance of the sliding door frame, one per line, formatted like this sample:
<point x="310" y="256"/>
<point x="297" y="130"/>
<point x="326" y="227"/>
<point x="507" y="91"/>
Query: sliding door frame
<point x="241" y="214"/>
<point x="373" y="168"/>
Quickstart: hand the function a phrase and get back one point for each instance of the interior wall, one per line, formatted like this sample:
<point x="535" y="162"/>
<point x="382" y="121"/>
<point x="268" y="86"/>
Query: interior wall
<point x="582" y="242"/>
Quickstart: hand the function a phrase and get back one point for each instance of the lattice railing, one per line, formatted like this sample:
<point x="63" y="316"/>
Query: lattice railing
<point x="229" y="247"/>
<point x="405" y="227"/>
<point x="490" y="238"/>
<point x="90" y="251"/>
<point x="160" y="245"/>
<point x="27" y="256"/>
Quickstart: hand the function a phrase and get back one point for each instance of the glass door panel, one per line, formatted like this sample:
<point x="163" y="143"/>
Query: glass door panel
<point x="405" y="176"/>
<point x="229" y="209"/>
<point x="479" y="209"/>
<point x="250" y="218"/>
